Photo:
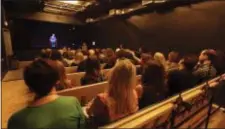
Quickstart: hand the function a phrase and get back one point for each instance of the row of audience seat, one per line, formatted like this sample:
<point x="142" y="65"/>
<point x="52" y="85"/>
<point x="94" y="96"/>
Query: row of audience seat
<point x="156" y="115"/>
<point x="86" y="93"/>
<point x="186" y="110"/>
<point x="72" y="75"/>
<point x="13" y="75"/>
<point x="76" y="77"/>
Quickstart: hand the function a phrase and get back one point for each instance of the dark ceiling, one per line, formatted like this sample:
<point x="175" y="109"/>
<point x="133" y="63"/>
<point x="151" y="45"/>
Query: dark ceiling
<point x="88" y="11"/>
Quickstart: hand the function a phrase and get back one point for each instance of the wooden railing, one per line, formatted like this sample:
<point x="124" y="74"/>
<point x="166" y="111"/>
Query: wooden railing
<point x="190" y="109"/>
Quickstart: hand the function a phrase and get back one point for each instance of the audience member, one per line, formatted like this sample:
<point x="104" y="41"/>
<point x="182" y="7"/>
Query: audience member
<point x="205" y="68"/>
<point x="92" y="71"/>
<point x="73" y="52"/>
<point x="126" y="53"/>
<point x="44" y="54"/>
<point x="79" y="57"/>
<point x="102" y="58"/>
<point x="64" y="82"/>
<point x="120" y="99"/>
<point x="122" y="54"/>
<point x="110" y="58"/>
<point x="69" y="58"/>
<point x="103" y="51"/>
<point x="97" y="50"/>
<point x="145" y="57"/>
<point x="61" y="51"/>
<point x="55" y="55"/>
<point x="133" y="57"/>
<point x="91" y="52"/>
<point x="47" y="110"/>
<point x="158" y="56"/>
<point x="81" y="66"/>
<point x="220" y="62"/>
<point x="84" y="47"/>
<point x="173" y="60"/>
<point x="139" y="52"/>
<point x="48" y="52"/>
<point x="64" y="49"/>
<point x="153" y="88"/>
<point x="118" y="49"/>
<point x="183" y="79"/>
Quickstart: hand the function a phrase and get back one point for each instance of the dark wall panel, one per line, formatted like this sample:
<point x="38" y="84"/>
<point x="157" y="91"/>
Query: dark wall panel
<point x="188" y="29"/>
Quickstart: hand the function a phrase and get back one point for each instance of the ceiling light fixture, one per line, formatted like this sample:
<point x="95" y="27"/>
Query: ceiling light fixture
<point x="75" y="2"/>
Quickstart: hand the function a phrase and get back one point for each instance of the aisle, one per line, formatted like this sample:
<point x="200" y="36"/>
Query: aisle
<point x="14" y="97"/>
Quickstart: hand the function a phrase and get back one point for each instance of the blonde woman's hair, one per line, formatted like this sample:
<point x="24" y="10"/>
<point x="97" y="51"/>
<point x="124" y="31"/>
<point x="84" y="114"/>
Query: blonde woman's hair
<point x="121" y="92"/>
<point x="158" y="56"/>
<point x="79" y="57"/>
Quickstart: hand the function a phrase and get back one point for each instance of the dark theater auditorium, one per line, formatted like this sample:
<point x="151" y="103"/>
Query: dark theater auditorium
<point x="98" y="64"/>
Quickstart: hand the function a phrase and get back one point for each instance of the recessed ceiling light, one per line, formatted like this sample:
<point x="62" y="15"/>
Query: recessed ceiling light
<point x="75" y="2"/>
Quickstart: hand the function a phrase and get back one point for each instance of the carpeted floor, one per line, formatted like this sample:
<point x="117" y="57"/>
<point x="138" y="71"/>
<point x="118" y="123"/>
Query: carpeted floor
<point x="14" y="97"/>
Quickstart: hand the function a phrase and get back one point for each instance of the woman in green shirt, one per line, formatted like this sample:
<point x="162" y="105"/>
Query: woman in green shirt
<point x="47" y="110"/>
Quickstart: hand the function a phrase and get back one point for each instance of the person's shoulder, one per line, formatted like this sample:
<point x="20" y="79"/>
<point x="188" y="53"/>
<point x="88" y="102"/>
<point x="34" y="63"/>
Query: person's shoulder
<point x="139" y="90"/>
<point x="102" y="96"/>
<point x="16" y="116"/>
<point x="68" y="99"/>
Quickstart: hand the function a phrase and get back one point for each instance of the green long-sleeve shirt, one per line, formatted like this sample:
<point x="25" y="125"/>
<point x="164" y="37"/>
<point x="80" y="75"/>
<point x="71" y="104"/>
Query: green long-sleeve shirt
<point x="63" y="113"/>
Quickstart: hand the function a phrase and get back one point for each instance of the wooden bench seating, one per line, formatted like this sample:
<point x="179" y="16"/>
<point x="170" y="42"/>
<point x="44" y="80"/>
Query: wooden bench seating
<point x="171" y="113"/>
<point x="86" y="93"/>
<point x="71" y="69"/>
<point x="14" y="75"/>
<point x="152" y="116"/>
<point x="23" y="64"/>
<point x="76" y="77"/>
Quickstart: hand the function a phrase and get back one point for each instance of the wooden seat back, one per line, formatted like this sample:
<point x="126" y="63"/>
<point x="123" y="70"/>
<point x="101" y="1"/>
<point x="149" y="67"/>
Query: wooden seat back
<point x="23" y="64"/>
<point x="71" y="69"/>
<point x="85" y="93"/>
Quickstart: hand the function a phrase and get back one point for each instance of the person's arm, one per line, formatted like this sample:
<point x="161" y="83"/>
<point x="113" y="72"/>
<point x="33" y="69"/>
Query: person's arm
<point x="97" y="111"/>
<point x="82" y="118"/>
<point x="135" y="57"/>
<point x="139" y="90"/>
<point x="68" y="83"/>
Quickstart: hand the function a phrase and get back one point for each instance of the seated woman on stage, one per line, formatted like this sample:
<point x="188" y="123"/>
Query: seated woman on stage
<point x="47" y="109"/>
<point x="120" y="99"/>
